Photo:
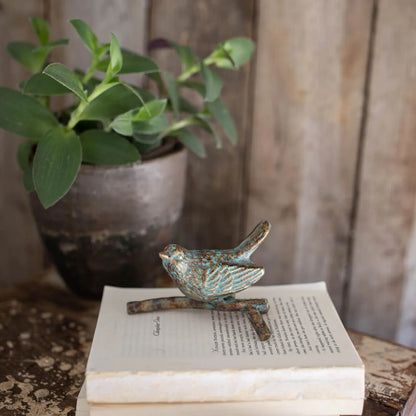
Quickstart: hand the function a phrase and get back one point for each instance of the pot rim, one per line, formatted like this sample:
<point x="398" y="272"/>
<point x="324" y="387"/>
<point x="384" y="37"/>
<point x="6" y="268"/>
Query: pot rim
<point x="179" y="148"/>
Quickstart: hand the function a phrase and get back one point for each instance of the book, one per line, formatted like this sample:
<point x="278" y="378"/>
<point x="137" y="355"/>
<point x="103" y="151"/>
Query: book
<point x="284" y="408"/>
<point x="181" y="356"/>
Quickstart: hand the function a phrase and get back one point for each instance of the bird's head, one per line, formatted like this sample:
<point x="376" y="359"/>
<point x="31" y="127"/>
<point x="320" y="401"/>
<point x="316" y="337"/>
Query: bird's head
<point x="172" y="253"/>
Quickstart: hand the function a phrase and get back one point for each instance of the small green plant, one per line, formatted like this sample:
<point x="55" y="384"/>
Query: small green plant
<point x="110" y="122"/>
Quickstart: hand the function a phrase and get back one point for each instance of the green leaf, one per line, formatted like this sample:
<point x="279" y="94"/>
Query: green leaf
<point x="116" y="58"/>
<point x="122" y="124"/>
<point x="28" y="179"/>
<point x="23" y="52"/>
<point x="41" y="28"/>
<point x="42" y="52"/>
<point x="144" y="148"/>
<point x="51" y="45"/>
<point x="30" y="56"/>
<point x="41" y="84"/>
<point x="24" y="115"/>
<point x="24" y="153"/>
<point x="186" y="55"/>
<point x="56" y="164"/>
<point x="137" y="64"/>
<point x="112" y="102"/>
<point x="240" y="50"/>
<point x="107" y="148"/>
<point x="147" y="139"/>
<point x="173" y="94"/>
<point x="100" y="89"/>
<point x="210" y="129"/>
<point x="132" y="63"/>
<point x="87" y="35"/>
<point x="103" y="50"/>
<point x="147" y="122"/>
<point x="192" y="142"/>
<point x="22" y="84"/>
<point x="233" y="53"/>
<point x="197" y="86"/>
<point x="151" y="110"/>
<point x="152" y="126"/>
<point x="213" y="83"/>
<point x="67" y="78"/>
<point x="144" y="94"/>
<point x="223" y="116"/>
<point x="135" y="91"/>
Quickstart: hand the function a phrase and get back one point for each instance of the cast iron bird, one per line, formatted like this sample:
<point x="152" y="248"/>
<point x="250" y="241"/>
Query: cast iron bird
<point x="212" y="275"/>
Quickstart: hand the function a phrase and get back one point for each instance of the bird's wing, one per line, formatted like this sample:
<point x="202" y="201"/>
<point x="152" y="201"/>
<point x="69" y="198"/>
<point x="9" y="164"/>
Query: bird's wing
<point x="226" y="279"/>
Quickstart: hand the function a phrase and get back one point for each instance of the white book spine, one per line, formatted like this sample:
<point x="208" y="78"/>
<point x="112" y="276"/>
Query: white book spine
<point x="250" y="385"/>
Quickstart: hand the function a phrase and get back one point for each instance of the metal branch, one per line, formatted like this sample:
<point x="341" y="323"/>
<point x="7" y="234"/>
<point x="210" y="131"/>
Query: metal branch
<point x="253" y="307"/>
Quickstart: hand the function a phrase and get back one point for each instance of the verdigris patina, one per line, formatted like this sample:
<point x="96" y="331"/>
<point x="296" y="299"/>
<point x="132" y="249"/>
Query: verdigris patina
<point x="209" y="279"/>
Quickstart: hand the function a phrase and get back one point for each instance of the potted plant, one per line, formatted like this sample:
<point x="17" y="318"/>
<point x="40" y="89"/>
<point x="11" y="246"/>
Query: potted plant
<point x="107" y="173"/>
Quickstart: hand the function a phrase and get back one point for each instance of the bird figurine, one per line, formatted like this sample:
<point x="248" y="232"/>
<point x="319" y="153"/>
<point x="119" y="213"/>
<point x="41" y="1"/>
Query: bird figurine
<point x="215" y="275"/>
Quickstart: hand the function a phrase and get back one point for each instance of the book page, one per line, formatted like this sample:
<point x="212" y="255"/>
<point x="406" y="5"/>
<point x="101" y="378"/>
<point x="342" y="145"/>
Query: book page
<point x="306" y="332"/>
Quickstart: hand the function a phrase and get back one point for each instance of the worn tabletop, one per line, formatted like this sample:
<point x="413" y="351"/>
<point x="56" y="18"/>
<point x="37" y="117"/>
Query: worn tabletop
<point x="46" y="333"/>
<point x="45" y="337"/>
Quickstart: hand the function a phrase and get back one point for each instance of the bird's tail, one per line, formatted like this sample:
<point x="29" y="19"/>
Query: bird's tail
<point x="256" y="237"/>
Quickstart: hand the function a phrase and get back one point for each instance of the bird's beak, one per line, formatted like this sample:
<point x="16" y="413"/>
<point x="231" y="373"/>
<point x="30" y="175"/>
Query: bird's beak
<point x="163" y="256"/>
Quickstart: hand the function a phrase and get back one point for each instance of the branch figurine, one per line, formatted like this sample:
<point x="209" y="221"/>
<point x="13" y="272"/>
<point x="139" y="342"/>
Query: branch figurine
<point x="209" y="279"/>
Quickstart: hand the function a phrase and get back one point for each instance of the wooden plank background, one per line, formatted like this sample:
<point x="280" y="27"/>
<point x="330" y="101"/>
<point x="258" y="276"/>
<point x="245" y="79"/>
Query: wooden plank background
<point x="325" y="114"/>
<point x="386" y="210"/>
<point x="306" y="130"/>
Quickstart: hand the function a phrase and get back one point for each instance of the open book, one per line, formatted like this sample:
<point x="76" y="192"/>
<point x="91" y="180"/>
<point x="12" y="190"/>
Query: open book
<point x="209" y="356"/>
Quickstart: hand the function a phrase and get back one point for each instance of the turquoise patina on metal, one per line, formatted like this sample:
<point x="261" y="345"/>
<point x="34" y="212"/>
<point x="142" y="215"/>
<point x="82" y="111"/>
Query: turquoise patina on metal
<point x="209" y="275"/>
<point x="209" y="279"/>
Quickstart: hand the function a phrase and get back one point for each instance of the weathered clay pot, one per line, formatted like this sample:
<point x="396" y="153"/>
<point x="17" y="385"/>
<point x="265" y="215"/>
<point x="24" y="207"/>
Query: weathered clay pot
<point x="111" y="225"/>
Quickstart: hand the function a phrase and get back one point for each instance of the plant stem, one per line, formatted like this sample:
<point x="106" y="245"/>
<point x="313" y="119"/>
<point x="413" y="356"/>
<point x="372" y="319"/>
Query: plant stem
<point x="76" y="114"/>
<point x="88" y="75"/>
<point x="45" y="101"/>
<point x="209" y="60"/>
<point x="95" y="60"/>
<point x="106" y="125"/>
<point x="91" y="71"/>
<point x="188" y="121"/>
<point x="175" y="126"/>
<point x="191" y="71"/>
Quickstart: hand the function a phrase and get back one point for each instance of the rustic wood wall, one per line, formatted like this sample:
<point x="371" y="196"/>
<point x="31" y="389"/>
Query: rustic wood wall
<point x="21" y="253"/>
<point x="327" y="141"/>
